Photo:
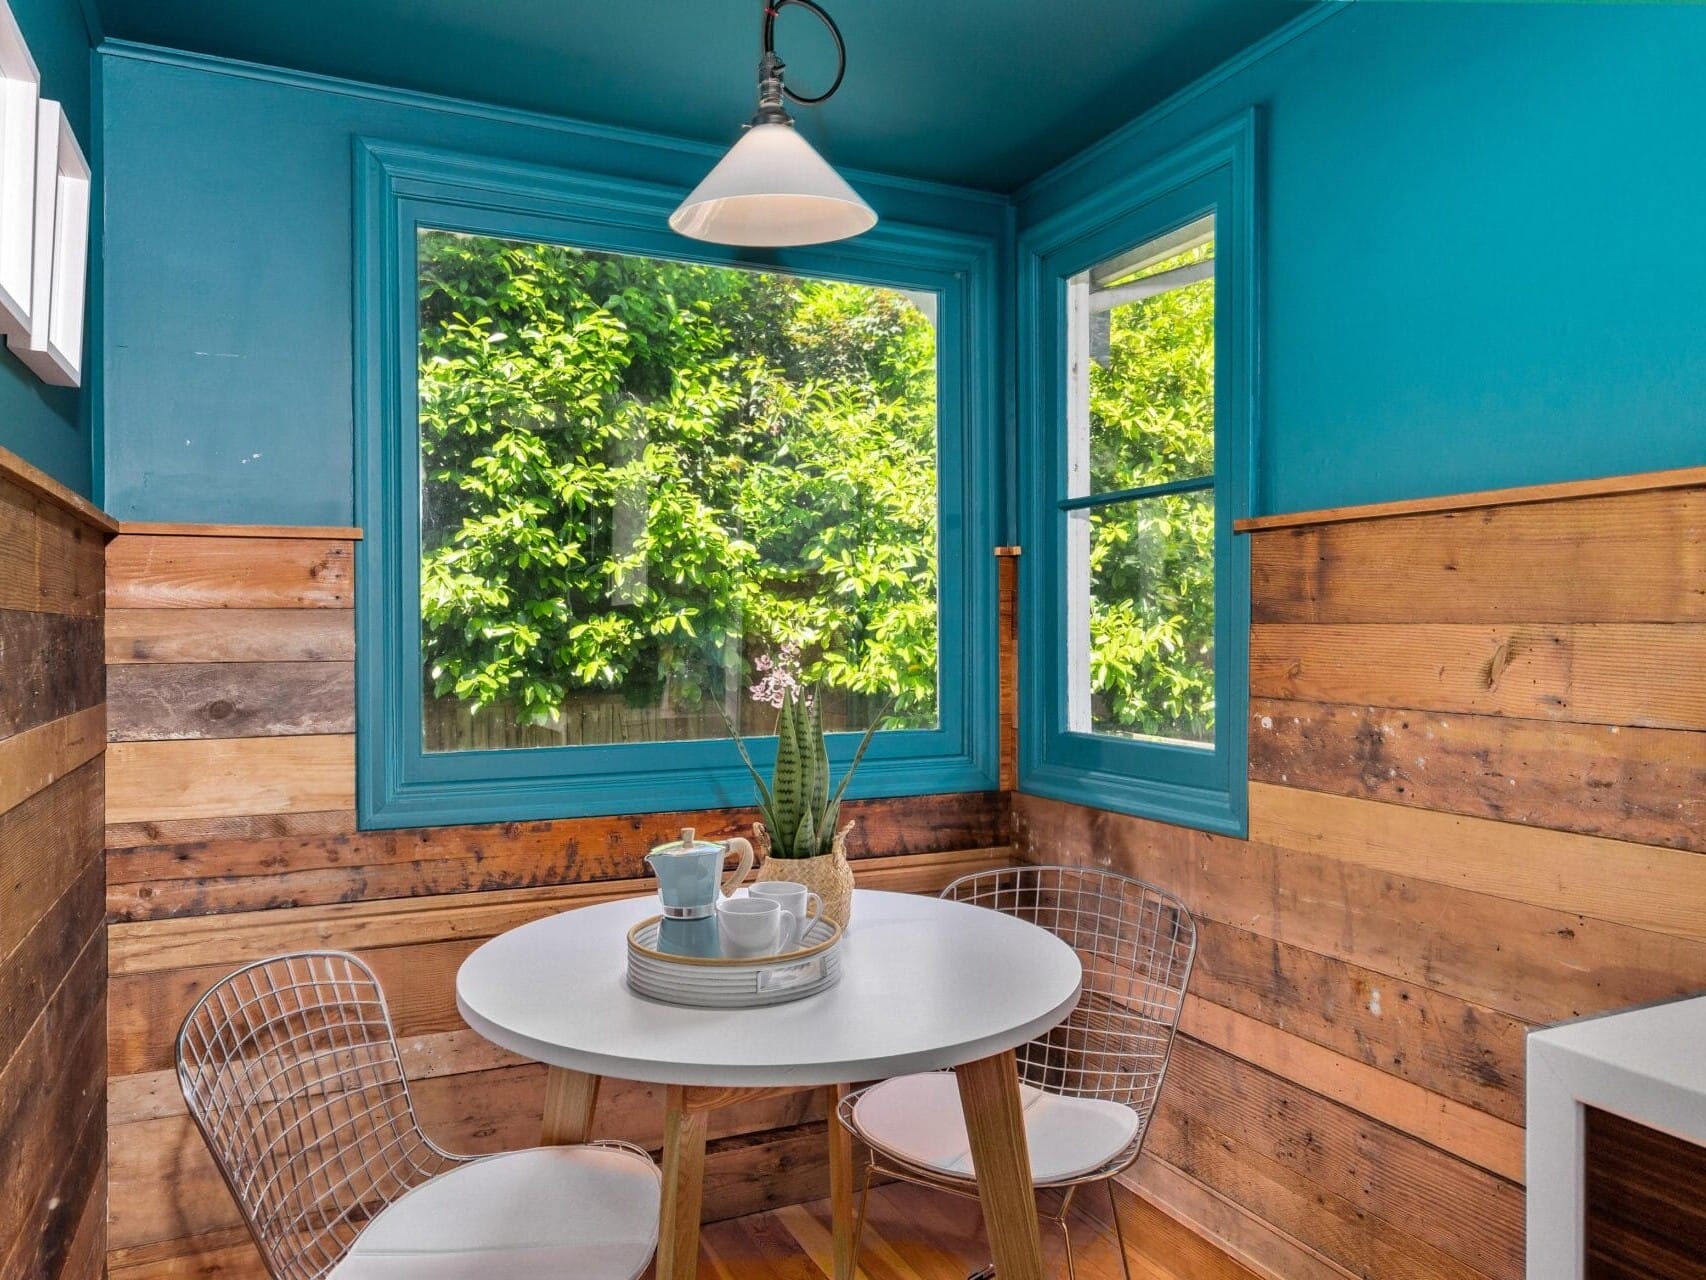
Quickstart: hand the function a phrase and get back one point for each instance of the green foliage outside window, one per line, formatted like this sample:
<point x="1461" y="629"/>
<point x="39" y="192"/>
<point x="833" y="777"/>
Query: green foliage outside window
<point x="658" y="478"/>
<point x="1152" y="561"/>
<point x="651" y="477"/>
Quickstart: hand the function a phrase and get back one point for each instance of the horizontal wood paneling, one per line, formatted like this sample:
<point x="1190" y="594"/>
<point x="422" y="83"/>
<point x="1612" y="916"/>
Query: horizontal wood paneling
<point x="1493" y="1144"/>
<point x="52" y="892"/>
<point x="51" y="665"/>
<point x="46" y="843"/>
<point x="152" y="875"/>
<point x="1242" y="1234"/>
<point x="51" y="1119"/>
<point x="1646" y="1202"/>
<point x="1637" y="558"/>
<point x="34" y="969"/>
<point x="37" y="758"/>
<point x="50" y="560"/>
<point x="1397" y="1183"/>
<point x="230" y="635"/>
<point x="1619" y="880"/>
<point x="149" y="572"/>
<point x="217" y="777"/>
<point x="231" y="835"/>
<point x="158" y="968"/>
<point x="230" y="700"/>
<point x="1478" y="767"/>
<point x="1584" y="673"/>
<point x="1644" y="785"/>
<point x="1456" y="1049"/>
<point x="234" y="827"/>
<point x="86" y="1254"/>
<point x="1528" y="962"/>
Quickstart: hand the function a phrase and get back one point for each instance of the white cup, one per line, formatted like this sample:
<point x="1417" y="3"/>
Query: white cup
<point x="795" y="899"/>
<point x="752" y="927"/>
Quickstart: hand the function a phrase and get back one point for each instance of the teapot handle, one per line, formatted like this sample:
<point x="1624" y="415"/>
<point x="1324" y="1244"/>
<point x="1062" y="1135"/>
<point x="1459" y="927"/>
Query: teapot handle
<point x="732" y="881"/>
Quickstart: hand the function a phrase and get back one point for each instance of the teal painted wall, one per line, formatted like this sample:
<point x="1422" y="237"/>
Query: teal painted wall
<point x="228" y="385"/>
<point x="47" y="425"/>
<point x="1482" y="226"/>
<point x="1485" y="245"/>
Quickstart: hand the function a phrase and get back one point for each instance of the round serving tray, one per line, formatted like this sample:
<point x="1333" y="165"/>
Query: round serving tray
<point x="724" y="982"/>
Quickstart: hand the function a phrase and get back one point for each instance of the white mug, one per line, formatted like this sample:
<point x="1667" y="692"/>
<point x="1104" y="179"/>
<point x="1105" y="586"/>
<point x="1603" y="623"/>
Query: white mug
<point x="750" y="927"/>
<point x="795" y="899"/>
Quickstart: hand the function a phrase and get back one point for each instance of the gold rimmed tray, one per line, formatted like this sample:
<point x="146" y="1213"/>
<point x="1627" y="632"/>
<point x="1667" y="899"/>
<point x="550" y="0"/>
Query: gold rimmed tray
<point x="728" y="982"/>
<point x="823" y="934"/>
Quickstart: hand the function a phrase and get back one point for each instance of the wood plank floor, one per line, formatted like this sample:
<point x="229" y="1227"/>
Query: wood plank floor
<point x="917" y="1234"/>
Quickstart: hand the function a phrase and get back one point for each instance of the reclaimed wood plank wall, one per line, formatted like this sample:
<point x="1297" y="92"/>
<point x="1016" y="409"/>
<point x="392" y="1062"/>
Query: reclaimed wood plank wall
<point x="231" y="835"/>
<point x="52" y="936"/>
<point x="1477" y="804"/>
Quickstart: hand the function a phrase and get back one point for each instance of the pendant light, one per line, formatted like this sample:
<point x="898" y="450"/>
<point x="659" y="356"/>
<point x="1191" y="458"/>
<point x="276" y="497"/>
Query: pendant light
<point x="773" y="189"/>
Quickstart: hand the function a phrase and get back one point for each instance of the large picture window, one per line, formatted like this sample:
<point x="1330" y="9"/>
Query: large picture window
<point x="1137" y="428"/>
<point x="622" y="492"/>
<point x="654" y="493"/>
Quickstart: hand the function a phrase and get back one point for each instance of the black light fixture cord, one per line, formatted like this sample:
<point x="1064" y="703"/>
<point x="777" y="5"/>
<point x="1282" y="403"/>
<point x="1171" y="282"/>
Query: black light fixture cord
<point x="774" y="7"/>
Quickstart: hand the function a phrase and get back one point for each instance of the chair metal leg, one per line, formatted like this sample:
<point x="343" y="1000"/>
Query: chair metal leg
<point x="859" y="1216"/>
<point x="1066" y="1231"/>
<point x="1119" y="1229"/>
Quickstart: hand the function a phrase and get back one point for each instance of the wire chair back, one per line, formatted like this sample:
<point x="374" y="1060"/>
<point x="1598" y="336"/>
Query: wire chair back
<point x="291" y="1071"/>
<point x="1137" y="944"/>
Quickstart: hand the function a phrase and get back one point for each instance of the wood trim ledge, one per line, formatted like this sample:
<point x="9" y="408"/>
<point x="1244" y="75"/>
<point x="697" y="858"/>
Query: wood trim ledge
<point x="157" y="529"/>
<point x="1644" y="482"/>
<point x="38" y="482"/>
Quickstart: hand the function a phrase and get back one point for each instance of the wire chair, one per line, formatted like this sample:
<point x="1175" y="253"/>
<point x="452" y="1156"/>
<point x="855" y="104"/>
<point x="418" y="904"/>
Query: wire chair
<point x="292" y="1074"/>
<point x="1137" y="944"/>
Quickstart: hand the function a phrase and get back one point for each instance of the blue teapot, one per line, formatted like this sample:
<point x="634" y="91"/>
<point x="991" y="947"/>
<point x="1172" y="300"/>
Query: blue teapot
<point x="688" y="871"/>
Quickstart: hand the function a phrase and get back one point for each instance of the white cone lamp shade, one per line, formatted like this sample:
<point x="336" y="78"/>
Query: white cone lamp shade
<point x="772" y="189"/>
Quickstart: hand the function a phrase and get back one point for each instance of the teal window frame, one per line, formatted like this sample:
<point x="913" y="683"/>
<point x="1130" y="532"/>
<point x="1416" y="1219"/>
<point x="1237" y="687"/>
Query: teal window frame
<point x="1186" y="785"/>
<point x="401" y="189"/>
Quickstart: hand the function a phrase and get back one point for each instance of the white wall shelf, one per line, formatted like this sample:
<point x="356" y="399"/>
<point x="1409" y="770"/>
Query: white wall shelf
<point x="53" y="346"/>
<point x="1647" y="1065"/>
<point x="20" y="92"/>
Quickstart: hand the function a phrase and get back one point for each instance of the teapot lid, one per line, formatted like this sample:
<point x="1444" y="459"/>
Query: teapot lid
<point x="689" y="843"/>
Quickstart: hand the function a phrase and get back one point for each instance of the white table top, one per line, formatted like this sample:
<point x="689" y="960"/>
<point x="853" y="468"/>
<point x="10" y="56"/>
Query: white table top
<point x="1661" y="1045"/>
<point x="926" y="984"/>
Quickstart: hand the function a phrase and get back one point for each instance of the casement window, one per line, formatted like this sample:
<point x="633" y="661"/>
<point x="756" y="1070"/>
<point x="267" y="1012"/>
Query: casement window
<point x="1137" y="430"/>
<point x="620" y="488"/>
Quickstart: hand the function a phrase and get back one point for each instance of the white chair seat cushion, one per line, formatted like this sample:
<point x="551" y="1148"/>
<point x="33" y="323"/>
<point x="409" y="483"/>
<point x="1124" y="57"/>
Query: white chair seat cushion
<point x="586" y="1212"/>
<point x="917" y="1119"/>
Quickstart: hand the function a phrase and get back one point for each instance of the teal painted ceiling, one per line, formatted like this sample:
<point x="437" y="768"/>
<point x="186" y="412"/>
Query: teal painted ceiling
<point x="982" y="93"/>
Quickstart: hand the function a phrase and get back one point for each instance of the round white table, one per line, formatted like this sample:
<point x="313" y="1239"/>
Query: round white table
<point x="926" y="984"/>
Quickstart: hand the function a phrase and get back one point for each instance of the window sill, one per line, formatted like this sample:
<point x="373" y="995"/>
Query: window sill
<point x="1206" y="809"/>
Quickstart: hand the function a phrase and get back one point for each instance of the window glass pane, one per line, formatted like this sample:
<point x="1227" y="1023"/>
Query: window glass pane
<point x="1143" y="385"/>
<point x="1144" y="665"/>
<point x="649" y="487"/>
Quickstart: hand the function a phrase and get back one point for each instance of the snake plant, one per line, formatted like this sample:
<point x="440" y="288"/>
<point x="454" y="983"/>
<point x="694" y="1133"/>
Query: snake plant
<point x="798" y="809"/>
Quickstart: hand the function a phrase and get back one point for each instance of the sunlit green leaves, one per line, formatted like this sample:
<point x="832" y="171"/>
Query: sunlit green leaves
<point x="630" y="466"/>
<point x="1152" y="561"/>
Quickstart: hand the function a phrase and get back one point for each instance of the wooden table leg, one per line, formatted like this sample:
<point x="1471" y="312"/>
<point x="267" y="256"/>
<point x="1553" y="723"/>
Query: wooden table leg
<point x="995" y="1122"/>
<point x="570" y="1099"/>
<point x="841" y="1194"/>
<point x="684" y="1129"/>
